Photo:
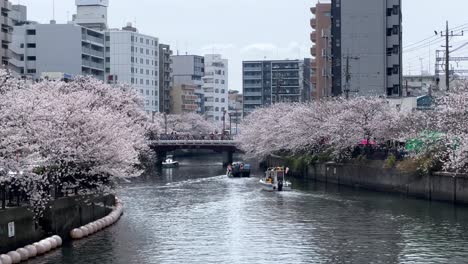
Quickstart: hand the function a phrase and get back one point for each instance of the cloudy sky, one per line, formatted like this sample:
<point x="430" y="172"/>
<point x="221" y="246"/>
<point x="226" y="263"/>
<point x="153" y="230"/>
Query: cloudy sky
<point x="257" y="29"/>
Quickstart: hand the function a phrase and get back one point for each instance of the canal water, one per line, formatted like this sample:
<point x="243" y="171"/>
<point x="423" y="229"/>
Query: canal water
<point x="194" y="214"/>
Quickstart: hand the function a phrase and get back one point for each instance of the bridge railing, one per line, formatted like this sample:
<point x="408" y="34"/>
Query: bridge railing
<point x="194" y="142"/>
<point x="203" y="137"/>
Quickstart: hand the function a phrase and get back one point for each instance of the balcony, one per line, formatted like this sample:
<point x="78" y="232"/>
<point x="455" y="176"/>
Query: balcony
<point x="252" y="93"/>
<point x="252" y="77"/>
<point x="189" y="107"/>
<point x="313" y="37"/>
<point x="313" y="23"/>
<point x="91" y="52"/>
<point x="189" y="97"/>
<point x="313" y="10"/>
<point x="253" y="85"/>
<point x="313" y="52"/>
<point x="253" y="68"/>
<point x="253" y="102"/>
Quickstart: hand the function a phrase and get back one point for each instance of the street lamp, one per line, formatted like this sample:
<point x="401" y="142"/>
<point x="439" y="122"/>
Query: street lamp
<point x="230" y="124"/>
<point x="224" y="120"/>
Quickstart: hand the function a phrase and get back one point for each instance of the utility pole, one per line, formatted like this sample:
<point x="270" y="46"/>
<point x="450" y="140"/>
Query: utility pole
<point x="447" y="52"/>
<point x="348" y="75"/>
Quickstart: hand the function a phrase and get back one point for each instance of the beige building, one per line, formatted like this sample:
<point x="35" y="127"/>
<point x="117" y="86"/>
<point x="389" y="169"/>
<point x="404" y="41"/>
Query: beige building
<point x="184" y="99"/>
<point x="235" y="109"/>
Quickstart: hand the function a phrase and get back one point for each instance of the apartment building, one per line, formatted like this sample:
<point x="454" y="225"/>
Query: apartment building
<point x="38" y="49"/>
<point x="6" y="28"/>
<point x="215" y="87"/>
<point x="183" y="99"/>
<point x="92" y="14"/>
<point x="321" y="50"/>
<point x="235" y="109"/>
<point x="165" y="78"/>
<point x="133" y="58"/>
<point x="268" y="82"/>
<point x="366" y="47"/>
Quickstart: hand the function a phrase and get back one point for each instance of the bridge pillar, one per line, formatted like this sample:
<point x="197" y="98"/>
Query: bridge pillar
<point x="227" y="158"/>
<point x="160" y="157"/>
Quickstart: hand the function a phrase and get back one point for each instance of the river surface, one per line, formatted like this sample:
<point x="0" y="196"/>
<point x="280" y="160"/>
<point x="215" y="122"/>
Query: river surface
<point x="194" y="214"/>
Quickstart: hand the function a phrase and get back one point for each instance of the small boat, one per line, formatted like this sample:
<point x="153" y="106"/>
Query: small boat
<point x="170" y="162"/>
<point x="238" y="169"/>
<point x="274" y="180"/>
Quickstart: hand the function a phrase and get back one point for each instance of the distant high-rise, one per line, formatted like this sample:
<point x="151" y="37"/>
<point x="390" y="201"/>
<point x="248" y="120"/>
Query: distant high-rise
<point x="133" y="58"/>
<point x="367" y="47"/>
<point x="92" y="13"/>
<point x="321" y="50"/>
<point x="268" y="82"/>
<point x="215" y="87"/>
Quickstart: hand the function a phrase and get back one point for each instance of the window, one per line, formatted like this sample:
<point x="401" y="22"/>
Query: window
<point x="31" y="70"/>
<point x="223" y="100"/>
<point x="133" y="38"/>
<point x="147" y="72"/>
<point x="131" y="48"/>
<point x="31" y="45"/>
<point x="107" y="70"/>
<point x="132" y="70"/>
<point x="222" y="91"/>
<point x="141" y="50"/>
<point x="147" y="82"/>
<point x="141" y="81"/>
<point x="147" y="92"/>
<point x="31" y="32"/>
<point x="217" y="100"/>
<point x="222" y="81"/>
<point x="217" y="118"/>
<point x="132" y="59"/>
<point x="133" y="80"/>
<point x="147" y="62"/>
<point x="31" y="58"/>
<point x="222" y="109"/>
<point x="147" y="42"/>
<point x="141" y="61"/>
<point x="216" y="81"/>
<point x="22" y="45"/>
<point x="147" y="51"/>
<point x="217" y="91"/>
<point x="107" y="38"/>
<point x="217" y="109"/>
<point x="141" y="40"/>
<point x="107" y="49"/>
<point x="141" y="71"/>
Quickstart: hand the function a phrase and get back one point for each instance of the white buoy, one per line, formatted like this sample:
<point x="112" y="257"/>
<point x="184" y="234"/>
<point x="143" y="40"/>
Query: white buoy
<point x="85" y="231"/>
<point x="31" y="250"/>
<point x="53" y="243"/>
<point x="39" y="248"/>
<point x="6" y="259"/>
<point x="59" y="240"/>
<point x="15" y="257"/>
<point x="77" y="233"/>
<point x="23" y="253"/>
<point x="47" y="245"/>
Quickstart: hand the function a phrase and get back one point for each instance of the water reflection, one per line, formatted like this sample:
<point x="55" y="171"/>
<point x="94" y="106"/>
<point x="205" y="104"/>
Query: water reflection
<point x="194" y="214"/>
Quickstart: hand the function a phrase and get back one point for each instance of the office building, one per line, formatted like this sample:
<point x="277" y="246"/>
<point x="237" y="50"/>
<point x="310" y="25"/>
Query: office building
<point x="165" y="78"/>
<point x="215" y="87"/>
<point x="321" y="50"/>
<point x="183" y="99"/>
<point x="69" y="49"/>
<point x="366" y="47"/>
<point x="268" y="82"/>
<point x="133" y="58"/>
<point x="190" y="69"/>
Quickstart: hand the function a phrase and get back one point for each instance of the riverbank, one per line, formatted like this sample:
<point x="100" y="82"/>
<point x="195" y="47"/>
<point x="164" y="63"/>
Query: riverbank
<point x="18" y="226"/>
<point x="376" y="176"/>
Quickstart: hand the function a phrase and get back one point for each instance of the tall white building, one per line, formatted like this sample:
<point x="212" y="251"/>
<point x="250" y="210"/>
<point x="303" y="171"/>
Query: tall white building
<point x="91" y="13"/>
<point x="133" y="58"/>
<point x="215" y="87"/>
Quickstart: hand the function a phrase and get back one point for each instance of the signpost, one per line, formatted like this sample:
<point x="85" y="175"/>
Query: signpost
<point x="11" y="229"/>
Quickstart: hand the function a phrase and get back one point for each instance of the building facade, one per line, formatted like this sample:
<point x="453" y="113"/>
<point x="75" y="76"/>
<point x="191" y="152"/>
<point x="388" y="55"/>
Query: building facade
<point x="321" y="50"/>
<point x="165" y="78"/>
<point x="268" y="82"/>
<point x="184" y="99"/>
<point x="92" y="14"/>
<point x="133" y="58"/>
<point x="366" y="47"/>
<point x="215" y="87"/>
<point x="190" y="69"/>
<point x="38" y="49"/>
<point x="235" y="110"/>
<point x="6" y="31"/>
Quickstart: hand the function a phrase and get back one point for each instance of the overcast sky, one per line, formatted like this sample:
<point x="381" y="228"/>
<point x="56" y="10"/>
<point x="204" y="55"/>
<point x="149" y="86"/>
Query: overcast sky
<point x="256" y="29"/>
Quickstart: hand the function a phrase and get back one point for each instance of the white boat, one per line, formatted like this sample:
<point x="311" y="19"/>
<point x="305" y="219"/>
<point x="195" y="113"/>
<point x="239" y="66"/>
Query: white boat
<point x="170" y="162"/>
<point x="274" y="180"/>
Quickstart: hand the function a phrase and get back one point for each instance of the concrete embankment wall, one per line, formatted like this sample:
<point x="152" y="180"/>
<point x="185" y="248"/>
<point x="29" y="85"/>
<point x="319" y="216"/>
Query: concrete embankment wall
<point x="64" y="215"/>
<point x="372" y="175"/>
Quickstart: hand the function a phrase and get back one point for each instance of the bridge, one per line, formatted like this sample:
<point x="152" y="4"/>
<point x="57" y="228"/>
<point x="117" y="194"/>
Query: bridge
<point x="161" y="146"/>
